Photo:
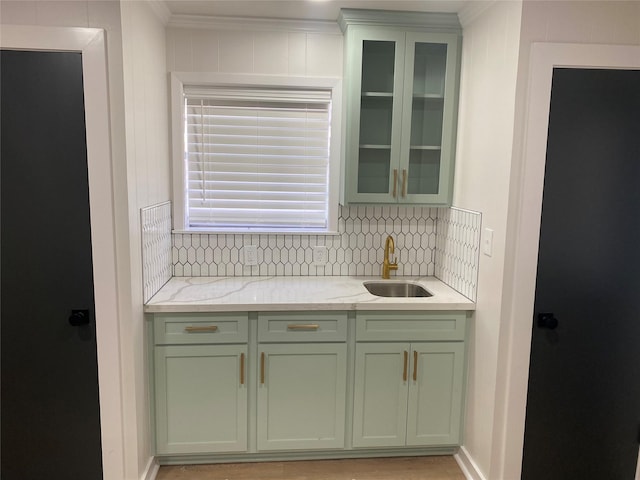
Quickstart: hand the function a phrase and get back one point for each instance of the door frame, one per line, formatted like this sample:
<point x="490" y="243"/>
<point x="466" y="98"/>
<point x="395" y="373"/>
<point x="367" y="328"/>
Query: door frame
<point x="525" y="220"/>
<point x="91" y="43"/>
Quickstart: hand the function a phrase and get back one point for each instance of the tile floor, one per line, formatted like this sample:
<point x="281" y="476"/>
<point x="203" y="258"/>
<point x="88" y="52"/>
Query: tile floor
<point x="403" y="468"/>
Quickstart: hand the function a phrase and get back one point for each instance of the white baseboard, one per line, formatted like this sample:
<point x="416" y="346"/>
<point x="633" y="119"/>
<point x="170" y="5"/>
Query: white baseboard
<point x="151" y="471"/>
<point x="467" y="465"/>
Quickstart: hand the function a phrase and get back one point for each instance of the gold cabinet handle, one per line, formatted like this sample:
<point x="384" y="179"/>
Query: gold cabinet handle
<point x="415" y="366"/>
<point x="242" y="369"/>
<point x="395" y="182"/>
<point x="303" y="326"/>
<point x="262" y="368"/>
<point x="207" y="328"/>
<point x="406" y="363"/>
<point x="404" y="182"/>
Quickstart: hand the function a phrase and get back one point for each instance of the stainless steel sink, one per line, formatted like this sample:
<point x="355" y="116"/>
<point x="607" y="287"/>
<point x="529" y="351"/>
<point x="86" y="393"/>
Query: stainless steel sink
<point x="396" y="289"/>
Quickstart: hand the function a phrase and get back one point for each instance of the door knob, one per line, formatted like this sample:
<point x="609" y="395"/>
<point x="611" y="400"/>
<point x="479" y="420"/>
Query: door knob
<point x="79" y="317"/>
<point x="547" y="320"/>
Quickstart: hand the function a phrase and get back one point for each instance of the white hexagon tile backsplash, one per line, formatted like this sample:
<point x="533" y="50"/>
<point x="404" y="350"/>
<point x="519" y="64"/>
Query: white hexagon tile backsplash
<point x="458" y="249"/>
<point x="428" y="241"/>
<point x="357" y="249"/>
<point x="157" y="267"/>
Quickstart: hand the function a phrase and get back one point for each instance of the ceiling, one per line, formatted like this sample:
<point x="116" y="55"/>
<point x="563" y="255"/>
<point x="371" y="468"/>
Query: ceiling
<point x="302" y="9"/>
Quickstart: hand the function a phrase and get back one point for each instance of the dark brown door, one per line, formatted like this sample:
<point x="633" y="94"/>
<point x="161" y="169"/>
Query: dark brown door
<point x="583" y="406"/>
<point x="50" y="410"/>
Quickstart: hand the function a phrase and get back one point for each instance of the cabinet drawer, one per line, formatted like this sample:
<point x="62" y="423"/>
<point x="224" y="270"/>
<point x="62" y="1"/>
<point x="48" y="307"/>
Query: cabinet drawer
<point x="410" y="326"/>
<point x="192" y="328"/>
<point x="305" y="327"/>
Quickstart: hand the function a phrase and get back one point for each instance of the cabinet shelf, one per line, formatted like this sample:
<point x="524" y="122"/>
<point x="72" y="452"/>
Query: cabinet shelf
<point x="378" y="94"/>
<point x="375" y="147"/>
<point x="425" y="147"/>
<point x="427" y="96"/>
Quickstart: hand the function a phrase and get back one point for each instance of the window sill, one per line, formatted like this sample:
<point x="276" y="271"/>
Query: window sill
<point x="244" y="231"/>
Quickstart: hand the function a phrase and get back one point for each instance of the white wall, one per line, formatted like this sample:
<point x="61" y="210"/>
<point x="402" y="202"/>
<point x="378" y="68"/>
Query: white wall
<point x="601" y="22"/>
<point x="271" y="50"/>
<point x="483" y="161"/>
<point x="120" y="451"/>
<point x="148" y="177"/>
<point x="146" y="91"/>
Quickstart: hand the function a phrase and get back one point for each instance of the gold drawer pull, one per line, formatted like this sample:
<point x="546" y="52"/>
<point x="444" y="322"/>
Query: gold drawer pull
<point x="207" y="328"/>
<point x="242" y="369"/>
<point x="262" y="368"/>
<point x="415" y="366"/>
<point x="406" y="362"/>
<point x="303" y="326"/>
<point x="395" y="182"/>
<point x="404" y="183"/>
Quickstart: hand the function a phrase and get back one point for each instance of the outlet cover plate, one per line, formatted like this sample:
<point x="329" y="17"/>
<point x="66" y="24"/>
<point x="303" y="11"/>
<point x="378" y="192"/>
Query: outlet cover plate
<point x="250" y="253"/>
<point x="487" y="242"/>
<point x="320" y="255"/>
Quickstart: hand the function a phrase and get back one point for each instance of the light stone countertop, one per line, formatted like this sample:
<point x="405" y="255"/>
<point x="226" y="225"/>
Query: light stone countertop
<point x="224" y="294"/>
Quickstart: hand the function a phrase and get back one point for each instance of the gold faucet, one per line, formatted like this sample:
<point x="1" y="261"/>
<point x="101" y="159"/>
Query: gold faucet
<point x="389" y="247"/>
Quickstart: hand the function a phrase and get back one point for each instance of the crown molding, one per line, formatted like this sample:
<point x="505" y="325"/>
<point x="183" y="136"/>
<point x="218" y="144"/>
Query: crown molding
<point x="472" y="10"/>
<point x="253" y="24"/>
<point x="161" y="10"/>
<point x="444" y="22"/>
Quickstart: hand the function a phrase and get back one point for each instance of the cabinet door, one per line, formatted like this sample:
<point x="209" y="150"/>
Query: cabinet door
<point x="301" y="396"/>
<point x="380" y="395"/>
<point x="435" y="393"/>
<point x="375" y="61"/>
<point x="201" y="399"/>
<point x="429" y="118"/>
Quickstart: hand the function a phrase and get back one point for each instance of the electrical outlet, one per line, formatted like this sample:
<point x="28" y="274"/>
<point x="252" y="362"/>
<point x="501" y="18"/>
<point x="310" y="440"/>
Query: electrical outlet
<point x="250" y="255"/>
<point x="487" y="242"/>
<point x="320" y="255"/>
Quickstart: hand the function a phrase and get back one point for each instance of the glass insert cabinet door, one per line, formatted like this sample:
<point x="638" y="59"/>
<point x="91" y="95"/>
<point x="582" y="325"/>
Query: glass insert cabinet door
<point x="375" y="59"/>
<point x="427" y="106"/>
<point x="406" y="112"/>
<point x="376" y="115"/>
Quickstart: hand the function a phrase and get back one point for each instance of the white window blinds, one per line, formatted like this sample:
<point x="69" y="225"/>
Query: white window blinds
<point x="257" y="158"/>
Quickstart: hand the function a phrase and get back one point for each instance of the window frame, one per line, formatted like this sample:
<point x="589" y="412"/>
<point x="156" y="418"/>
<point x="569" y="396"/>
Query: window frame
<point x="179" y="80"/>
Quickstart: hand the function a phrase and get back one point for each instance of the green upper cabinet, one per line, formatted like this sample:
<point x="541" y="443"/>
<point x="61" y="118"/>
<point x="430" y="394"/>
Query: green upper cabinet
<point x="402" y="72"/>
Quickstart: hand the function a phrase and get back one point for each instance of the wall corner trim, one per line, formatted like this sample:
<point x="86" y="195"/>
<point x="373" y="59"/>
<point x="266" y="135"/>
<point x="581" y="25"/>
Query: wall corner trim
<point x="468" y="465"/>
<point x="151" y="472"/>
<point x="161" y="10"/>
<point x="472" y="10"/>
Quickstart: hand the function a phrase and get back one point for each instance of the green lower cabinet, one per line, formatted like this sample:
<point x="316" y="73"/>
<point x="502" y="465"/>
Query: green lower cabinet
<point x="380" y="395"/>
<point x="408" y="394"/>
<point x="201" y="399"/>
<point x="291" y="394"/>
<point x="301" y="396"/>
<point x="435" y="393"/>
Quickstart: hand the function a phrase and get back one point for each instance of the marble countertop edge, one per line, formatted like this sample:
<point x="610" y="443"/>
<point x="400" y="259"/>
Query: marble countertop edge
<point x="226" y="294"/>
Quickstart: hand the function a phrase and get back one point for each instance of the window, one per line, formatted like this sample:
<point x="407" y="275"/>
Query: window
<point x="258" y="158"/>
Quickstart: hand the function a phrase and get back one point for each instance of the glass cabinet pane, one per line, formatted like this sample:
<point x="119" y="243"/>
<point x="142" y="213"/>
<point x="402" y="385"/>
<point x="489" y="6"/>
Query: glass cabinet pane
<point x="378" y="58"/>
<point x="430" y="61"/>
<point x="430" y="64"/>
<point x="424" y="172"/>
<point x="374" y="170"/>
<point x="375" y="120"/>
<point x="426" y="122"/>
<point x="376" y="112"/>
